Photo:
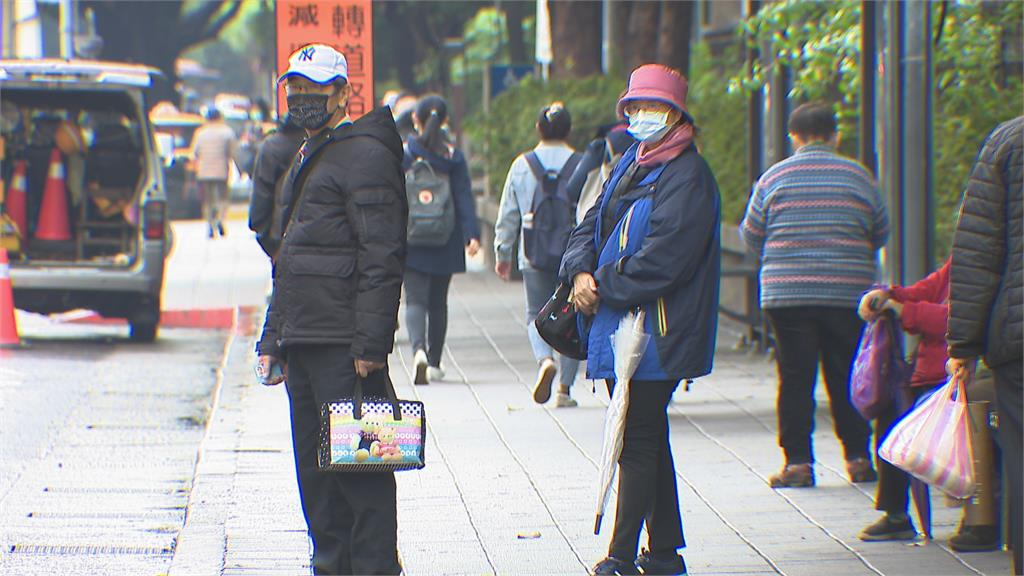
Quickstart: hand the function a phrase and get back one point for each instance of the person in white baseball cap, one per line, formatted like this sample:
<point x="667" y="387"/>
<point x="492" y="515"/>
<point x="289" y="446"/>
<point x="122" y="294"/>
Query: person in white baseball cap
<point x="337" y="283"/>
<point x="316" y="85"/>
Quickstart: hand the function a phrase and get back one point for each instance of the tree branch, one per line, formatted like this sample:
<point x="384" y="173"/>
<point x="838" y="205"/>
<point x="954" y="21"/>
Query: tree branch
<point x="197" y="26"/>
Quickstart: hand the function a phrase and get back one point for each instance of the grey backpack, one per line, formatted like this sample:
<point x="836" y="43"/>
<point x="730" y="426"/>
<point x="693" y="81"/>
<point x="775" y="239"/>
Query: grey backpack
<point x="431" y="207"/>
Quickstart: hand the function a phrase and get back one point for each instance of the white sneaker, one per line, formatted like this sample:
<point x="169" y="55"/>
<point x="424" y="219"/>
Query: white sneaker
<point x="421" y="364"/>
<point x="563" y="400"/>
<point x="435" y="374"/>
<point x="545" y="376"/>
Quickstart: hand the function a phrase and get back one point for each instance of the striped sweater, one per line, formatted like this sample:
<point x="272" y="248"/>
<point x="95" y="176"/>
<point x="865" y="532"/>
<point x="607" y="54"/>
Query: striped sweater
<point x="816" y="219"/>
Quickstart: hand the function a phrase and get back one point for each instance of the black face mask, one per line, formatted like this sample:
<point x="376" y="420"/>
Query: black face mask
<point x="309" y="110"/>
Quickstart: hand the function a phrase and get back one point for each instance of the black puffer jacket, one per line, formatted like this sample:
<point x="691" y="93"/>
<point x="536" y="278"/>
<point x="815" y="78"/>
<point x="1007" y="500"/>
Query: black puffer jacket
<point x="338" y="276"/>
<point x="986" y="298"/>
<point x="272" y="162"/>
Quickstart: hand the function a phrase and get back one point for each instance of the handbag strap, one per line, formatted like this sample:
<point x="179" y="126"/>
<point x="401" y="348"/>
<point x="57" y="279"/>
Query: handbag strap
<point x="389" y="388"/>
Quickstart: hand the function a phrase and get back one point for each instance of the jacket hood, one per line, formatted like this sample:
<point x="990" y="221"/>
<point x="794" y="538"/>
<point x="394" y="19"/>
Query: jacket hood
<point x="418" y="150"/>
<point x="378" y="124"/>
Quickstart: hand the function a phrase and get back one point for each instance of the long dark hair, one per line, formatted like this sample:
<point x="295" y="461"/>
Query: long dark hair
<point x="432" y="112"/>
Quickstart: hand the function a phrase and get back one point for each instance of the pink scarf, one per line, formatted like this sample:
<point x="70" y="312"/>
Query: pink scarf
<point x="668" y="148"/>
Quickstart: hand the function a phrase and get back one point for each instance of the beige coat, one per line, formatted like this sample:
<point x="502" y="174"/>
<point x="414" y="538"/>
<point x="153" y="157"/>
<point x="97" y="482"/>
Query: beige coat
<point x="213" y="147"/>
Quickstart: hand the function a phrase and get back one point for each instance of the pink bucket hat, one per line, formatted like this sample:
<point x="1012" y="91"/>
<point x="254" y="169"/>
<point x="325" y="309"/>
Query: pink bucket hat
<point x="655" y="82"/>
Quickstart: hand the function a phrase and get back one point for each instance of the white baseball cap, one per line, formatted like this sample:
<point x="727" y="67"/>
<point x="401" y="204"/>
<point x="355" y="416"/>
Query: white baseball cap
<point x="318" y="63"/>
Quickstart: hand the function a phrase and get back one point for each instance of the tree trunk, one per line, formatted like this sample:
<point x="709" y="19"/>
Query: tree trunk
<point x="514" y="12"/>
<point x="576" y="38"/>
<point x="621" y="13"/>
<point x="405" y="53"/>
<point x="155" y="34"/>
<point x="674" y="35"/>
<point x="641" y="45"/>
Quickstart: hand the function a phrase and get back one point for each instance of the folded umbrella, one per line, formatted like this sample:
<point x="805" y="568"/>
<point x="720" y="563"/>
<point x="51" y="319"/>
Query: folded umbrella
<point x="628" y="344"/>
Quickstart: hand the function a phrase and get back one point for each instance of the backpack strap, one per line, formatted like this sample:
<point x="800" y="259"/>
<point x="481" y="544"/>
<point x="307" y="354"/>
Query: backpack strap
<point x="539" y="172"/>
<point x="570" y="166"/>
<point x="300" y="184"/>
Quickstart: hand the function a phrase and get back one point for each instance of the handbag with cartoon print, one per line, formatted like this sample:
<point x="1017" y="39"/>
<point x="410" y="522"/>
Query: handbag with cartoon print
<point x="372" y="434"/>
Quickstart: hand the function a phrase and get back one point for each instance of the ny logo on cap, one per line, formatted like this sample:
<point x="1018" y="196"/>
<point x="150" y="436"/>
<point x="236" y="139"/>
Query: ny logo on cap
<point x="307" y="54"/>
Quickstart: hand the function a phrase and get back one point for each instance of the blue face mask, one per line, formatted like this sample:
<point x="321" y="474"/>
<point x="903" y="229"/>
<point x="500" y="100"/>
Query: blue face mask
<point x="647" y="126"/>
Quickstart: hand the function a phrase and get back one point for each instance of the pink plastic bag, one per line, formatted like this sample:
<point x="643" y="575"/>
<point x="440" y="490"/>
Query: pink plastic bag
<point x="933" y="441"/>
<point x="879" y="369"/>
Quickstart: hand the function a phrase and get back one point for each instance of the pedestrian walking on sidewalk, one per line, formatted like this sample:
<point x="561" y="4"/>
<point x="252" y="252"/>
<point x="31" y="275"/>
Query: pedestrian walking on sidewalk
<point x="651" y="242"/>
<point x="439" y="192"/>
<point x="337" y="281"/>
<point x="986" y="296"/>
<point x="532" y="186"/>
<point x="273" y="159"/>
<point x="816" y="220"/>
<point x="214" y="146"/>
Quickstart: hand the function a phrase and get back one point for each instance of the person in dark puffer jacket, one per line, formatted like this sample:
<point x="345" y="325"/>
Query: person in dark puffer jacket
<point x="337" y="281"/>
<point x="272" y="162"/>
<point x="987" y="295"/>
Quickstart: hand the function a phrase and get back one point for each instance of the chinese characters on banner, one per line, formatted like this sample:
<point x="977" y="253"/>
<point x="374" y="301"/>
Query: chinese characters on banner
<point x="347" y="25"/>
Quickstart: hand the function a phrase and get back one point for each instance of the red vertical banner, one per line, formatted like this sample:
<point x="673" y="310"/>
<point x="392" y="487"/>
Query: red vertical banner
<point x="347" y="25"/>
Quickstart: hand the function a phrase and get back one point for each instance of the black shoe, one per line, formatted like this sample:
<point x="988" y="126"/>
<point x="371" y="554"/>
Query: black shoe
<point x="220" y="229"/>
<point x="889" y="528"/>
<point x="611" y="566"/>
<point x="975" y="539"/>
<point x="673" y="566"/>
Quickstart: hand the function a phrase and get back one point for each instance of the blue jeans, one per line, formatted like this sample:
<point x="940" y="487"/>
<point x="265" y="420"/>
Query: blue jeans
<point x="539" y="286"/>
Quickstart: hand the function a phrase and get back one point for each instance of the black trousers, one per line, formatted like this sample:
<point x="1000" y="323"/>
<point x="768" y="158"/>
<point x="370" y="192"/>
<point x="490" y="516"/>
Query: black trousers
<point x="647" y="474"/>
<point x="352" y="517"/>
<point x="804" y="335"/>
<point x="891" y="495"/>
<point x="426" y="298"/>
<point x="1009" y="387"/>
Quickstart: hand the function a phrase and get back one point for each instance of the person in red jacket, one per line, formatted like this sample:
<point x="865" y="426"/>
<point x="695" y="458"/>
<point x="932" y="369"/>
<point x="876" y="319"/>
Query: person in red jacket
<point x="922" y="309"/>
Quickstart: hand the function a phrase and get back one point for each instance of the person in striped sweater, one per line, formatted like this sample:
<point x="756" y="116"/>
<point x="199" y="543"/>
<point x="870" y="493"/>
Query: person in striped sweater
<point x="816" y="220"/>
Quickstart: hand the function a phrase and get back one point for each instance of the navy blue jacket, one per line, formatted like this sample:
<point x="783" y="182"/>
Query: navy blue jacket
<point x="664" y="257"/>
<point x="450" y="258"/>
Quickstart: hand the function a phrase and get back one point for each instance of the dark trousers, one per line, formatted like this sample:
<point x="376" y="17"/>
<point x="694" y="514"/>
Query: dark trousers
<point x="352" y="517"/>
<point x="893" y="483"/>
<point x="647" y="474"/>
<point x="426" y="304"/>
<point x="803" y="336"/>
<point x="1009" y="387"/>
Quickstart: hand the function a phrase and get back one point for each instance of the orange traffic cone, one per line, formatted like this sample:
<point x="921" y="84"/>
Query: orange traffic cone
<point x="14" y="205"/>
<point x="53" y="214"/>
<point x="8" y="325"/>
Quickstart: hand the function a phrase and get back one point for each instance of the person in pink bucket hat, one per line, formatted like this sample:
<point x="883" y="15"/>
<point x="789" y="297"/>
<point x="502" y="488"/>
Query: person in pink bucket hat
<point x="650" y="242"/>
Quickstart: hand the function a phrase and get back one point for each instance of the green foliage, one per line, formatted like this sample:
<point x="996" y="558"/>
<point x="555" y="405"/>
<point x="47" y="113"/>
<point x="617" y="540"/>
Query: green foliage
<point x="721" y="115"/>
<point x="820" y="41"/>
<point x="510" y="128"/>
<point x="972" y="98"/>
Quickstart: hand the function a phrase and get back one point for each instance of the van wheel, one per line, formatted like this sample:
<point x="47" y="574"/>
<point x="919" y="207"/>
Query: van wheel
<point x="143" y="331"/>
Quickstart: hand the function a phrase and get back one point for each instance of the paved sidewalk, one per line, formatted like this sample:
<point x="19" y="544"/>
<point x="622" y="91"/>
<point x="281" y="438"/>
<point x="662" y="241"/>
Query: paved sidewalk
<point x="501" y="469"/>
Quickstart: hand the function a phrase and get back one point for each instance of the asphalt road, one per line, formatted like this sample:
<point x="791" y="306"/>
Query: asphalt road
<point x="98" y="443"/>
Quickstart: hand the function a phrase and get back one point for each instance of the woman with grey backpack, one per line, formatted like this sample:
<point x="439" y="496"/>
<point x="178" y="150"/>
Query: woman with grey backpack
<point x="443" y="228"/>
<point x="536" y="210"/>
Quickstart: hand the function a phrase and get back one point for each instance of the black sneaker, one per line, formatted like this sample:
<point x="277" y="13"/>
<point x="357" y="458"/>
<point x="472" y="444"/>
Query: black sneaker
<point x="975" y="539"/>
<point x="648" y="564"/>
<point x="611" y="566"/>
<point x="889" y="528"/>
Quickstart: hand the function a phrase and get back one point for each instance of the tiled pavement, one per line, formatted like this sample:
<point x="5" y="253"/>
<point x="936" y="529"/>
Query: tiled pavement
<point x="502" y="470"/>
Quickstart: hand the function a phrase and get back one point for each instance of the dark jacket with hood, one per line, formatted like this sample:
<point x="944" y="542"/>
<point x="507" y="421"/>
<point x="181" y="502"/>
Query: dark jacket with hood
<point x="986" y="296"/>
<point x="338" y="276"/>
<point x="662" y="255"/>
<point x="450" y="258"/>
<point x="266" y="204"/>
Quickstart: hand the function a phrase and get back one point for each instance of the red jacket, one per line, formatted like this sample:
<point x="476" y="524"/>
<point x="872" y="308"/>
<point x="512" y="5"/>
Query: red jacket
<point x="925" y="311"/>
